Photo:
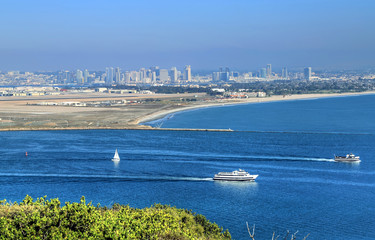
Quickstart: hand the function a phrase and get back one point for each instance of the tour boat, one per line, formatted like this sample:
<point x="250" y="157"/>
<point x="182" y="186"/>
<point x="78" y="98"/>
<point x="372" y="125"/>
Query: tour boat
<point x="238" y="175"/>
<point x="348" y="158"/>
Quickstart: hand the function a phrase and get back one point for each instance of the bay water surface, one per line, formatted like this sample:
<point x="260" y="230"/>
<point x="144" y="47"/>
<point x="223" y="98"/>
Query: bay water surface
<point x="290" y="144"/>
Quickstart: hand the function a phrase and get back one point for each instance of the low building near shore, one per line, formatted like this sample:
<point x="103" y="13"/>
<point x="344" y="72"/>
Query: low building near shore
<point x="261" y="94"/>
<point x="101" y="89"/>
<point x="146" y="92"/>
<point x="219" y="90"/>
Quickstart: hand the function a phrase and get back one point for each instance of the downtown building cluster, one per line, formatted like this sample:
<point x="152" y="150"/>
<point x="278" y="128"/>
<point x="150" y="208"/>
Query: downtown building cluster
<point x="150" y="76"/>
<point x="225" y="75"/>
<point x="156" y="76"/>
<point x="172" y="76"/>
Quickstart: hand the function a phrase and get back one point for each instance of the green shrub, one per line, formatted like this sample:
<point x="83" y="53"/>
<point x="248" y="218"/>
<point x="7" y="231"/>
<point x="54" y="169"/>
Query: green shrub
<point x="47" y="219"/>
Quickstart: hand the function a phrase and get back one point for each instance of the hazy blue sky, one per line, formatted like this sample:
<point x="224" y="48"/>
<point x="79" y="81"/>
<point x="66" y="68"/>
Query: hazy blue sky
<point x="242" y="34"/>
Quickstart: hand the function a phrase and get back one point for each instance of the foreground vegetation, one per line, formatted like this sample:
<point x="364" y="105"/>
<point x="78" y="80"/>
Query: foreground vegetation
<point x="47" y="219"/>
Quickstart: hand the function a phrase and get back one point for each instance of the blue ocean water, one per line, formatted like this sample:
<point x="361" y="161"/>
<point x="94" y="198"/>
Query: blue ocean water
<point x="299" y="187"/>
<point x="348" y="114"/>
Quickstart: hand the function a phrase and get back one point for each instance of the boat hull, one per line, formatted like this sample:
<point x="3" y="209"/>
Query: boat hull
<point x="347" y="160"/>
<point x="235" y="178"/>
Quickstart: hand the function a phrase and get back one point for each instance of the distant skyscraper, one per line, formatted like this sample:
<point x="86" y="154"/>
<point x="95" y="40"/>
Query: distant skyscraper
<point x="153" y="78"/>
<point x="173" y="75"/>
<point x="118" y="75"/>
<point x="85" y="76"/>
<point x="134" y="76"/>
<point x="263" y="73"/>
<point x="66" y="77"/>
<point x="284" y="73"/>
<point x="142" y="74"/>
<point x="155" y="70"/>
<point x="222" y="75"/>
<point x="79" y="76"/>
<point x="307" y="73"/>
<point x="188" y="73"/>
<point x="216" y="76"/>
<point x="163" y="75"/>
<point x="269" y="70"/>
<point x="127" y="77"/>
<point x="149" y="73"/>
<point x="109" y="75"/>
<point x="106" y="74"/>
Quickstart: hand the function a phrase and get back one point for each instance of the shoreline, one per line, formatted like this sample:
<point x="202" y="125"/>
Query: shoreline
<point x="139" y="120"/>
<point x="274" y="98"/>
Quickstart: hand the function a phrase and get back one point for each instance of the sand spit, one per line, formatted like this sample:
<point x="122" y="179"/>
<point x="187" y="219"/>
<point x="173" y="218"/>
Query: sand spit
<point x="21" y="114"/>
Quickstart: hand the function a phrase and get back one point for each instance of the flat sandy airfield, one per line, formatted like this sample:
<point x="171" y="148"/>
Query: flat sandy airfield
<point x="27" y="113"/>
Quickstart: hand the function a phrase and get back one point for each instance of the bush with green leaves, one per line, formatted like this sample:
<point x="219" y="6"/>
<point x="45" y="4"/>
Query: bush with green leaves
<point x="47" y="219"/>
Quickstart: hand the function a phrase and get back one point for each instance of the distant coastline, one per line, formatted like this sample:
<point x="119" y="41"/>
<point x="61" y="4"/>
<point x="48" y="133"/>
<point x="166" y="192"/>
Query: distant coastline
<point x="274" y="98"/>
<point x="61" y="118"/>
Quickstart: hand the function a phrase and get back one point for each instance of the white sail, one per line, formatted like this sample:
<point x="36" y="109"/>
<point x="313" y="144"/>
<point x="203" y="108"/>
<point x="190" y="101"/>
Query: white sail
<point x="116" y="157"/>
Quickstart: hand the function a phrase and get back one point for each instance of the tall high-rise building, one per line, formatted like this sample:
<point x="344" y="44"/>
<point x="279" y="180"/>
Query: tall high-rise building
<point x="109" y="75"/>
<point x="216" y="76"/>
<point x="134" y="76"/>
<point x="173" y="75"/>
<point x="153" y="77"/>
<point x="284" y="73"/>
<point x="79" y="76"/>
<point x="223" y="74"/>
<point x="262" y="73"/>
<point x="142" y="75"/>
<point x="127" y="77"/>
<point x="118" y="75"/>
<point x="149" y="73"/>
<point x="307" y="73"/>
<point x="106" y="74"/>
<point x="269" y="70"/>
<point x="163" y="75"/>
<point x="66" y="77"/>
<point x="188" y="73"/>
<point x="155" y="70"/>
<point x="85" y="76"/>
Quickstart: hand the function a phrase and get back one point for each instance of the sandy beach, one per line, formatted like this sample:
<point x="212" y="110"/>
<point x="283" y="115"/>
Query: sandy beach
<point x="161" y="114"/>
<point x="24" y="113"/>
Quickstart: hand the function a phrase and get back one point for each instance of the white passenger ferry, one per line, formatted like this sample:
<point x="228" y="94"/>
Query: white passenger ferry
<point x="348" y="158"/>
<point x="238" y="175"/>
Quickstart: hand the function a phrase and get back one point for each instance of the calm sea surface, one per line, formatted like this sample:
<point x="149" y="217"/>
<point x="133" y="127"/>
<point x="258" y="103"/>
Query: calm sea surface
<point x="289" y="144"/>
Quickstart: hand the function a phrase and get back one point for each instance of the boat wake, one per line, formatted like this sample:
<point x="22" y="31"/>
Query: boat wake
<point x="288" y="158"/>
<point x="320" y="181"/>
<point x="122" y="177"/>
<point x="223" y="157"/>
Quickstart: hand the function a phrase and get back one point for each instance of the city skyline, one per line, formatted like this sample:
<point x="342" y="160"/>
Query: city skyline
<point x="156" y="76"/>
<point x="44" y="35"/>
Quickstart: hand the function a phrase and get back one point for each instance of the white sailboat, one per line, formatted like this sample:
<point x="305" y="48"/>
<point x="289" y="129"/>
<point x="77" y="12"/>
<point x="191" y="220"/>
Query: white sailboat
<point x="116" y="157"/>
